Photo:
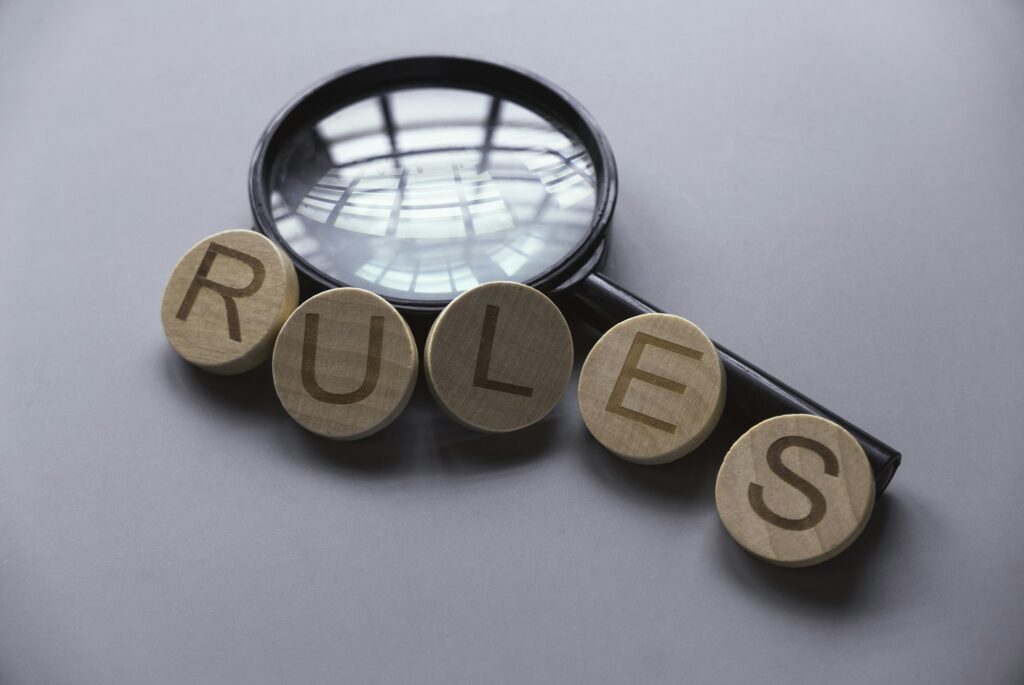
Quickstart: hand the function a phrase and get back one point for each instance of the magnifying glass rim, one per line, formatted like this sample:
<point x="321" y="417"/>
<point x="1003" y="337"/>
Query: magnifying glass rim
<point x="511" y="82"/>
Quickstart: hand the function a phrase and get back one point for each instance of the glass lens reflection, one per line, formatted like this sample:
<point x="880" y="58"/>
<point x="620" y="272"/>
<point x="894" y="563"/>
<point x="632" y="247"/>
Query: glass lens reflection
<point x="422" y="193"/>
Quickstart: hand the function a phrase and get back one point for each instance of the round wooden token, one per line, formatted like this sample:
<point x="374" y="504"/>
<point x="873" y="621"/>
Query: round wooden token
<point x="652" y="388"/>
<point x="345" y="364"/>
<point x="226" y="300"/>
<point x="795" y="490"/>
<point x="498" y="357"/>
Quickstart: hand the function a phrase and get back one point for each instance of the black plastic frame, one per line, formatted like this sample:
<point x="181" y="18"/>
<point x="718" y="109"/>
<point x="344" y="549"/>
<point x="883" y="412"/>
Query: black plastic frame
<point x="493" y="78"/>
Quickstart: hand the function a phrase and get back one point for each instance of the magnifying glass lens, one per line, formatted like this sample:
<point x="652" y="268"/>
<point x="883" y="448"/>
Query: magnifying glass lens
<point x="421" y="193"/>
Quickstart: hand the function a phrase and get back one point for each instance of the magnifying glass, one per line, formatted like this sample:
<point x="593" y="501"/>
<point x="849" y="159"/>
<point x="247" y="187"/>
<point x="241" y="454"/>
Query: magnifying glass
<point x="421" y="177"/>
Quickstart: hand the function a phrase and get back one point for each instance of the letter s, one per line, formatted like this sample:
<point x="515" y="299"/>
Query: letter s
<point x="755" y="493"/>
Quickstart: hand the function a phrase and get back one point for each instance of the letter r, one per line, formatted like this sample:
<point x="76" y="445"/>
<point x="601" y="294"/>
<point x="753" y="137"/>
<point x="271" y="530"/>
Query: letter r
<point x="201" y="280"/>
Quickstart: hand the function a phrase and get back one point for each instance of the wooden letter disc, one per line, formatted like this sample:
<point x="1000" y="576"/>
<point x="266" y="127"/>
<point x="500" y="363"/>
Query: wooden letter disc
<point x="652" y="388"/>
<point x="498" y="357"/>
<point x="795" y="490"/>
<point x="345" y="364"/>
<point x="226" y="300"/>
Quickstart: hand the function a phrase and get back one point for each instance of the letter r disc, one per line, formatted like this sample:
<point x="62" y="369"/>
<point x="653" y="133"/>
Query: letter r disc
<point x="795" y="490"/>
<point x="652" y="388"/>
<point x="226" y="300"/>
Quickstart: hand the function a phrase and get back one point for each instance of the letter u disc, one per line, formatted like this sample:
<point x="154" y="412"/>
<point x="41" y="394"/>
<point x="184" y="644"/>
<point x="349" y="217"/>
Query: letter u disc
<point x="498" y="357"/>
<point x="652" y="388"/>
<point x="795" y="490"/>
<point x="345" y="364"/>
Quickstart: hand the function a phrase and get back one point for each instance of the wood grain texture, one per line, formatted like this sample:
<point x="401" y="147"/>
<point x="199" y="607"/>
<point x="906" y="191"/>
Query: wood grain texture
<point x="795" y="490"/>
<point x="226" y="300"/>
<point x="345" y="364"/>
<point x="652" y="388"/>
<point x="498" y="357"/>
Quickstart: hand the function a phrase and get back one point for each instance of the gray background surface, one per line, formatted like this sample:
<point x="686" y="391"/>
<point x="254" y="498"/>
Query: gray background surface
<point x="835" y="190"/>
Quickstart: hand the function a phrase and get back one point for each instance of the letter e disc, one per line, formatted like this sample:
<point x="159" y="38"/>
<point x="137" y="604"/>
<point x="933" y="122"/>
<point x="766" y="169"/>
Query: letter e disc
<point x="652" y="388"/>
<point x="226" y="300"/>
<point x="498" y="357"/>
<point x="795" y="490"/>
<point x="345" y="364"/>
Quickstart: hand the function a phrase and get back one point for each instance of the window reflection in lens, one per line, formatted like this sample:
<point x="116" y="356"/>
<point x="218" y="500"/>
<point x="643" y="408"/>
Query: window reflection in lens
<point x="422" y="193"/>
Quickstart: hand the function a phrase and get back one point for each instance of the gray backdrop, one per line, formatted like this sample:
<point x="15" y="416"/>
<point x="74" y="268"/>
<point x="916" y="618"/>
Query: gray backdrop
<point x="834" y="189"/>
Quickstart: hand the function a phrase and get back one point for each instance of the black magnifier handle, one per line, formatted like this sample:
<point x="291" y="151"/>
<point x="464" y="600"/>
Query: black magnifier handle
<point x="756" y="394"/>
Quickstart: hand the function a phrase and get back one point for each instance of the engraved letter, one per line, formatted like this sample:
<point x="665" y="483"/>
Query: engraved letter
<point x="631" y="372"/>
<point x="483" y="358"/>
<point x="755" y="493"/>
<point x="374" y="353"/>
<point x="200" y="281"/>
